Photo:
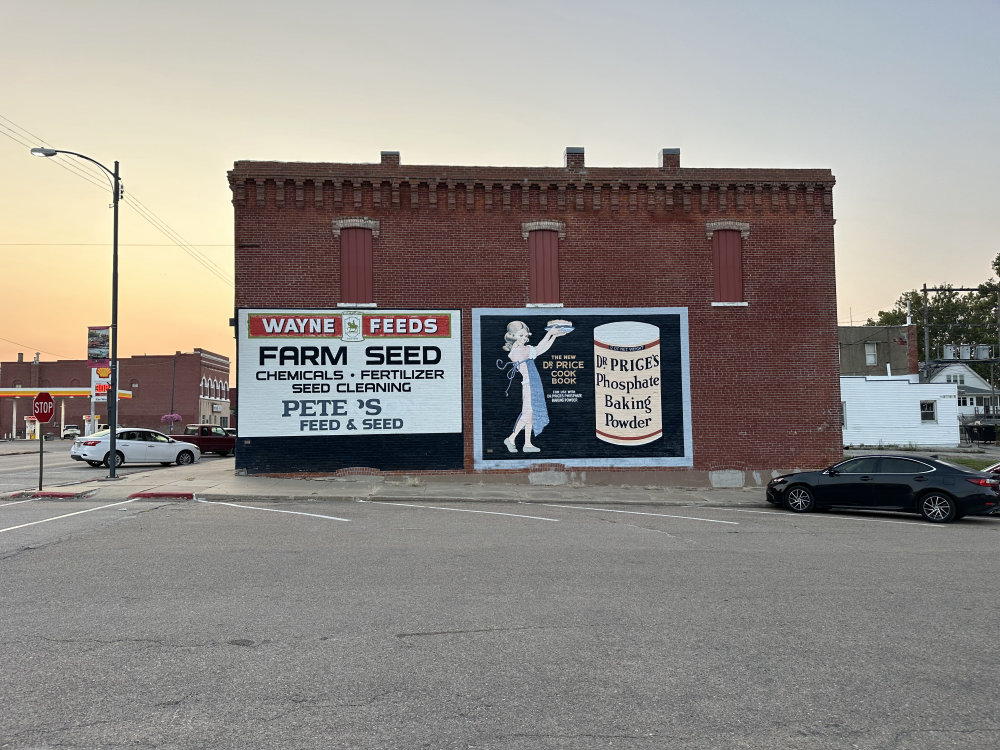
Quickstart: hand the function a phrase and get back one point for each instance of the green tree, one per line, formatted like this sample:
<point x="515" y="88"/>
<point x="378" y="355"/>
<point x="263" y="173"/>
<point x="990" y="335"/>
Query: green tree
<point x="953" y="317"/>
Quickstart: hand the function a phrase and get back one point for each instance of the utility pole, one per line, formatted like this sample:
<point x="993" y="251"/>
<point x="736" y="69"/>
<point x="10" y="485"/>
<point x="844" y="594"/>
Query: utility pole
<point x="927" y="334"/>
<point x="993" y="387"/>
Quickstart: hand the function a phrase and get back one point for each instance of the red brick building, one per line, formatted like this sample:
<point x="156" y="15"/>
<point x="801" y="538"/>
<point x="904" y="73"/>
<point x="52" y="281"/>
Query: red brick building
<point x="734" y="267"/>
<point x="194" y="385"/>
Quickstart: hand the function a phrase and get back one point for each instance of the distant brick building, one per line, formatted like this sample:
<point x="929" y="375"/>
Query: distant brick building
<point x="719" y="282"/>
<point x="878" y="350"/>
<point x="194" y="384"/>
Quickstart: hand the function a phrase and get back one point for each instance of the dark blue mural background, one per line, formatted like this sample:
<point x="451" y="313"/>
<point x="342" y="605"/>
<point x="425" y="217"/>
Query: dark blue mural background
<point x="571" y="431"/>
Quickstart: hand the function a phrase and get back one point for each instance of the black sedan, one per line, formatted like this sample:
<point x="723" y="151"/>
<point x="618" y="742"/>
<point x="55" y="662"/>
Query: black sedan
<point x="937" y="490"/>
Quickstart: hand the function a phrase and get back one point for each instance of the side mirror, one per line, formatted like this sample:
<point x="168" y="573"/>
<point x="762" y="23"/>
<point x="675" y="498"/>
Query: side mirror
<point x="832" y="472"/>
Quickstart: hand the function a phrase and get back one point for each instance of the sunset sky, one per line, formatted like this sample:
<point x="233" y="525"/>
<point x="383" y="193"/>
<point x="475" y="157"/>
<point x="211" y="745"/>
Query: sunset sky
<point x="899" y="99"/>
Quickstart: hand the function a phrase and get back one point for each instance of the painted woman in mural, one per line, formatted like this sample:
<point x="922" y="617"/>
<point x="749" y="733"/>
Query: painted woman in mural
<point x="534" y="414"/>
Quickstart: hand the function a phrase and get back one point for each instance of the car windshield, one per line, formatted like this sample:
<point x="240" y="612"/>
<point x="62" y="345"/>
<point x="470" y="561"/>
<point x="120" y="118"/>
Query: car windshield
<point x="100" y="434"/>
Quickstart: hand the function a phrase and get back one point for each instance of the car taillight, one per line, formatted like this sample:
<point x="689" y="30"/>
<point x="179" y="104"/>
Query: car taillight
<point x="983" y="482"/>
<point x="91" y="442"/>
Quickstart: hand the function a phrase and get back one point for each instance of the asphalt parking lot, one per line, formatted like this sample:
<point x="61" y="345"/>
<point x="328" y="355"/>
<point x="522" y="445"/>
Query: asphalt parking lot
<point x="381" y="623"/>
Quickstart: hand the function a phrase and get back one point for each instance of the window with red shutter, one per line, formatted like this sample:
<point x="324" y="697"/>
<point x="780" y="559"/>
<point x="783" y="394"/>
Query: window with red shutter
<point x="356" y="265"/>
<point x="356" y="276"/>
<point x="543" y="260"/>
<point x="727" y="260"/>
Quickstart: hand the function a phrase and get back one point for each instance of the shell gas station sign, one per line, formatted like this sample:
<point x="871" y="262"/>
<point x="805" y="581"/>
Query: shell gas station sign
<point x="98" y="339"/>
<point x="100" y="383"/>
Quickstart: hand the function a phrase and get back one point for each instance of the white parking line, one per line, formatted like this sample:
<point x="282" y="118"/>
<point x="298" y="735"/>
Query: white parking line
<point x="17" y="502"/>
<point x="65" y="515"/>
<point x="275" y="510"/>
<point x="461" y="510"/>
<point x="866" y="519"/>
<point x="640" y="513"/>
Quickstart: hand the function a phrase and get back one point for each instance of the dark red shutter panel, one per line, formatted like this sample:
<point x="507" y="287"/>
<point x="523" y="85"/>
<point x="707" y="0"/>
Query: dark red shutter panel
<point x="356" y="265"/>
<point x="543" y="266"/>
<point x="727" y="260"/>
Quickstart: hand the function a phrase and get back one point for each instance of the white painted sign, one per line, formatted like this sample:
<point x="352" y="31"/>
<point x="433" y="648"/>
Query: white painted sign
<point x="336" y="372"/>
<point x="100" y="383"/>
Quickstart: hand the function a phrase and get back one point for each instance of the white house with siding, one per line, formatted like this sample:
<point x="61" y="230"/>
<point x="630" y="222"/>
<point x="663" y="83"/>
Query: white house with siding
<point x="975" y="396"/>
<point x="899" y="410"/>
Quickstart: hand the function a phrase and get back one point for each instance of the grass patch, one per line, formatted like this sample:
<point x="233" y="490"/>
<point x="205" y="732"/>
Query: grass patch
<point x="973" y="462"/>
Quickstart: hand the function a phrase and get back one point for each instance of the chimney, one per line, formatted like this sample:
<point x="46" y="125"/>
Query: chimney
<point x="670" y="159"/>
<point x="574" y="157"/>
<point x="20" y="356"/>
<point x="390" y="158"/>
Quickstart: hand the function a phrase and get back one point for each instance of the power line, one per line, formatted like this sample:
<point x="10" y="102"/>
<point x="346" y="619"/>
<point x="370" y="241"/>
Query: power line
<point x="6" y="131"/>
<point x="104" y="244"/>
<point x="199" y="256"/>
<point x="26" y="132"/>
<point x="18" y="134"/>
<point x="34" y="348"/>
<point x="23" y="137"/>
<point x="68" y="166"/>
<point x="170" y="234"/>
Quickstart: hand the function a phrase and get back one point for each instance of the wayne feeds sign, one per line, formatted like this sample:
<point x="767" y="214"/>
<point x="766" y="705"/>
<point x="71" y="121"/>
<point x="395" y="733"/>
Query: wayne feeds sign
<point x="378" y="388"/>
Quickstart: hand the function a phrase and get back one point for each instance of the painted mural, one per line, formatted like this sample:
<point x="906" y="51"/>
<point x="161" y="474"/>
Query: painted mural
<point x="327" y="389"/>
<point x="586" y="387"/>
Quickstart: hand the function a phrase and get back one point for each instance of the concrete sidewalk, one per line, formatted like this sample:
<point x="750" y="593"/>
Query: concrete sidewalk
<point x="215" y="479"/>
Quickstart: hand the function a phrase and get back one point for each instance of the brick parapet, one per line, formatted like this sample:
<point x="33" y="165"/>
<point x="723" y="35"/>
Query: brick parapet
<point x="392" y="185"/>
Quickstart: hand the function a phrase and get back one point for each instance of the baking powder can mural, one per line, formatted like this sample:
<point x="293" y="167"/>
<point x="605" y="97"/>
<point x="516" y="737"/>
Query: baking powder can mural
<point x="586" y="387"/>
<point x="627" y="383"/>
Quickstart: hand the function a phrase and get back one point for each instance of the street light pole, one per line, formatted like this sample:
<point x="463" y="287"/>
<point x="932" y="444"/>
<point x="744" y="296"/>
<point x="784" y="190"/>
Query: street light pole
<point x="113" y="398"/>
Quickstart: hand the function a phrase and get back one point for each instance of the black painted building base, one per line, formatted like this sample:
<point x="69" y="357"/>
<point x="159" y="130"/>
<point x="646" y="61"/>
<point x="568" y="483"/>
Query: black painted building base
<point x="330" y="453"/>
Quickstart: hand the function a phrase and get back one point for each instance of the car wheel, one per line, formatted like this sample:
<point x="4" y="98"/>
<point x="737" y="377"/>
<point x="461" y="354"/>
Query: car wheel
<point x="799" y="499"/>
<point x="938" y="507"/>
<point x="119" y="459"/>
<point x="95" y="464"/>
<point x="184" y="458"/>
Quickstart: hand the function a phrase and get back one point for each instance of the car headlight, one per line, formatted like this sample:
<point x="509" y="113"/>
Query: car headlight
<point x="777" y="481"/>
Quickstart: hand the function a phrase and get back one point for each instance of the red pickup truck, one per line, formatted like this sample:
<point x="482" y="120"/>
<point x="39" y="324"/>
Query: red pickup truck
<point x="210" y="438"/>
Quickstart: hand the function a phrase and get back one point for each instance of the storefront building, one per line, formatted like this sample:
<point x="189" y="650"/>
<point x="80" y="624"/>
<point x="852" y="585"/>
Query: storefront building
<point x="398" y="318"/>
<point x="193" y="385"/>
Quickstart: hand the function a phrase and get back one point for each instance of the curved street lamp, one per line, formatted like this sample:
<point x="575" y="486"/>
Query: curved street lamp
<point x="113" y="399"/>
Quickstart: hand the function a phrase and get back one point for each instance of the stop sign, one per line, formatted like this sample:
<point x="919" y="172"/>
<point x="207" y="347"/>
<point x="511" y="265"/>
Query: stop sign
<point x="43" y="407"/>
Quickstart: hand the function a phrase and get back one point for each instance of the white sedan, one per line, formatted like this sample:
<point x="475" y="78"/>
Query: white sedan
<point x="133" y="446"/>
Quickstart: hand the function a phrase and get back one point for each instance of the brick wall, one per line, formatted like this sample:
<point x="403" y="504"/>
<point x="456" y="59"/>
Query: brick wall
<point x="764" y="377"/>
